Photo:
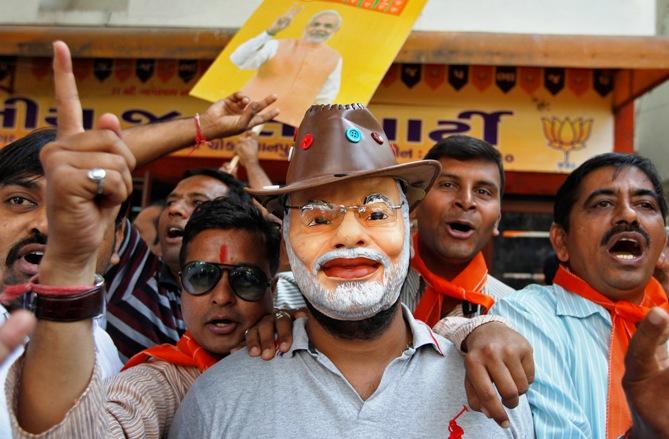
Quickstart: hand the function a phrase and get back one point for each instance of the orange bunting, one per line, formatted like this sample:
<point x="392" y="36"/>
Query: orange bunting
<point x="578" y="80"/>
<point x="530" y="79"/>
<point x="481" y="77"/>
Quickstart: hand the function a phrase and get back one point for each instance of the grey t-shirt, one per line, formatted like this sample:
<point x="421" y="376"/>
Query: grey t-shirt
<point x="302" y="394"/>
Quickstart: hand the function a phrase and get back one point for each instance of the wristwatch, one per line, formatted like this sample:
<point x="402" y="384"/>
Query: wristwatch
<point x="82" y="306"/>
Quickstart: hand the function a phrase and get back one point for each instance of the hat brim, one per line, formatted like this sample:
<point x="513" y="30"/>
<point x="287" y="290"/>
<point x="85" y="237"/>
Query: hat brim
<point x="419" y="176"/>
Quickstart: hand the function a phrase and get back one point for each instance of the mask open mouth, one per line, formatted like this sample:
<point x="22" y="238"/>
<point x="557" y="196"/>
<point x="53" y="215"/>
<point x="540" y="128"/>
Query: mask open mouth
<point x="350" y="268"/>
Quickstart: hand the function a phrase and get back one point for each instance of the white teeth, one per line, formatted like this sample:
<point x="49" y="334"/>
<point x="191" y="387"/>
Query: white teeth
<point x="221" y="324"/>
<point x="625" y="256"/>
<point x="628" y="240"/>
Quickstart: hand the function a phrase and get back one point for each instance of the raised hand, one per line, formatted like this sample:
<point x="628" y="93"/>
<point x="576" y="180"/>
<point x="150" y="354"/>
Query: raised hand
<point x="236" y="114"/>
<point x="79" y="209"/>
<point x="284" y="20"/>
<point x="87" y="178"/>
<point x="246" y="148"/>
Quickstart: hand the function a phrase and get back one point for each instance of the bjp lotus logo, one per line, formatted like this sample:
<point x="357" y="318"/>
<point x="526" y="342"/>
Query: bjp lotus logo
<point x="566" y="135"/>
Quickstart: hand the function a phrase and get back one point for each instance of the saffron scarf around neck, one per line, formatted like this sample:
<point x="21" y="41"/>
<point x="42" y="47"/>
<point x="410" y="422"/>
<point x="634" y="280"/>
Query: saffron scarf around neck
<point x="624" y="317"/>
<point x="187" y="353"/>
<point x="467" y="285"/>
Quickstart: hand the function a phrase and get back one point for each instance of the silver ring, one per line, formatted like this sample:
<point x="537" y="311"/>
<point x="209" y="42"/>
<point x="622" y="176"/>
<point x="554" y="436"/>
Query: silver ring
<point x="280" y="314"/>
<point x="97" y="176"/>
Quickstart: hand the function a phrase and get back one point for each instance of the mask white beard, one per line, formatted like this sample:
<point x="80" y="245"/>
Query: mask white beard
<point x="353" y="301"/>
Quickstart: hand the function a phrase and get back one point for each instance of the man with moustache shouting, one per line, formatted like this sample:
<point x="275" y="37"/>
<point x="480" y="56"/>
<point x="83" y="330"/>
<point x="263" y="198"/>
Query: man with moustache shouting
<point x="360" y="355"/>
<point x="608" y="233"/>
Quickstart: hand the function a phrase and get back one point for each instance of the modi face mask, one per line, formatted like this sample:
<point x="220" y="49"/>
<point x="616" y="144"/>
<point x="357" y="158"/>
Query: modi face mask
<point x="350" y="260"/>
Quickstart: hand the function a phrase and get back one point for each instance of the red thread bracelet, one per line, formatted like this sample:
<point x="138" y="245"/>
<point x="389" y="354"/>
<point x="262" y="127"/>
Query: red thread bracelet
<point x="199" y="136"/>
<point x="13" y="291"/>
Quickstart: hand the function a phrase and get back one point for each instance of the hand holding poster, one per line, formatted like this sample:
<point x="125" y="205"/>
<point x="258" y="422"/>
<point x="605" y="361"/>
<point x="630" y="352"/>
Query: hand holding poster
<point x="311" y="52"/>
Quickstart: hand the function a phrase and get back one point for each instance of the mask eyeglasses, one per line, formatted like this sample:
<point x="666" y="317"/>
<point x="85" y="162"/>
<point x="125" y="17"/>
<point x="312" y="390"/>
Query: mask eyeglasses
<point x="247" y="282"/>
<point x="323" y="215"/>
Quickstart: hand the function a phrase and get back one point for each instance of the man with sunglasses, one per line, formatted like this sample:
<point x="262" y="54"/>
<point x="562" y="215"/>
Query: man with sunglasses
<point x="360" y="355"/>
<point x="228" y="255"/>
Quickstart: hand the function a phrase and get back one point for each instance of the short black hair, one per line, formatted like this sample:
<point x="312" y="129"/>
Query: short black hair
<point x="465" y="148"/>
<point x="229" y="214"/>
<point x="568" y="192"/>
<point x="20" y="159"/>
<point x="235" y="187"/>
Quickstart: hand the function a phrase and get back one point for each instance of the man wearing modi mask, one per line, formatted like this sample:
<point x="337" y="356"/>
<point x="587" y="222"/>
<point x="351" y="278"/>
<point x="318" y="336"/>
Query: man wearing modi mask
<point x="360" y="355"/>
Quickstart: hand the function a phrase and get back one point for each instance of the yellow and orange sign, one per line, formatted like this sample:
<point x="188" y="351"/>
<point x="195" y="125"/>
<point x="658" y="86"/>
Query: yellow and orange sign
<point x="311" y="52"/>
<point x="394" y="7"/>
<point x="542" y="120"/>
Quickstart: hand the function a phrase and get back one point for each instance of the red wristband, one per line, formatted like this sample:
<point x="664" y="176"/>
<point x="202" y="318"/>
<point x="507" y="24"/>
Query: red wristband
<point x="199" y="136"/>
<point x="13" y="291"/>
<point x="61" y="303"/>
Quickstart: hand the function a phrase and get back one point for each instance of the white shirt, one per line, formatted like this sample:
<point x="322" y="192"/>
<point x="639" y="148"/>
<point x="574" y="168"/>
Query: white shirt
<point x="107" y="355"/>
<point x="258" y="50"/>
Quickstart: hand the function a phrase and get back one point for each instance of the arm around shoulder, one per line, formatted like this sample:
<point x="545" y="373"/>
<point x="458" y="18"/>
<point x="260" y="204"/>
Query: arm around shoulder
<point x="553" y="395"/>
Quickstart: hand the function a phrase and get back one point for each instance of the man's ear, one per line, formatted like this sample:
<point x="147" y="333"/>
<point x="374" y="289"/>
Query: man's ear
<point x="661" y="261"/>
<point x="558" y="238"/>
<point x="119" y="233"/>
<point x="495" y="230"/>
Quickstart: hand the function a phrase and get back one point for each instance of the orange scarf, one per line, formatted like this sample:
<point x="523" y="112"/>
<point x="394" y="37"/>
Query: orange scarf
<point x="468" y="285"/>
<point x="187" y="353"/>
<point x="624" y="317"/>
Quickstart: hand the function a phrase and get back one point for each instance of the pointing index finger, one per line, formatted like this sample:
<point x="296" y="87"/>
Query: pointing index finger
<point x="70" y="119"/>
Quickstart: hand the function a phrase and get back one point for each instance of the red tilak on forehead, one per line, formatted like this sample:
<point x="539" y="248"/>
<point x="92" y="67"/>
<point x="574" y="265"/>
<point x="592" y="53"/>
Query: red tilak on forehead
<point x="223" y="254"/>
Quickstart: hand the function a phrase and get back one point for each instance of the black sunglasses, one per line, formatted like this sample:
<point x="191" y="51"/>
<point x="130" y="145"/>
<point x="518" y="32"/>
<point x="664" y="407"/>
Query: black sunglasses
<point x="248" y="282"/>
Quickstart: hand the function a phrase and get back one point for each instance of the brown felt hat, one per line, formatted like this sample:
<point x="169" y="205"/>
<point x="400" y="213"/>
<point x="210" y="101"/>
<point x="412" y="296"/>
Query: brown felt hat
<point x="342" y="142"/>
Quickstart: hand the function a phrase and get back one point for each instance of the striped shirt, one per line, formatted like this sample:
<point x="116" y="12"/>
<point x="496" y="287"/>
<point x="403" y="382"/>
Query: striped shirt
<point x="137" y="403"/>
<point x="570" y="337"/>
<point x="143" y="299"/>
<point x="107" y="357"/>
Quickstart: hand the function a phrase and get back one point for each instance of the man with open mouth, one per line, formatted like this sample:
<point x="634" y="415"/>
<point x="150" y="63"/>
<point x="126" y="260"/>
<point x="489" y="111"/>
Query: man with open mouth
<point x="360" y="365"/>
<point x="608" y="232"/>
<point x="80" y="206"/>
<point x="457" y="219"/>
<point x="23" y="238"/>
<point x="144" y="296"/>
<point x="229" y="253"/>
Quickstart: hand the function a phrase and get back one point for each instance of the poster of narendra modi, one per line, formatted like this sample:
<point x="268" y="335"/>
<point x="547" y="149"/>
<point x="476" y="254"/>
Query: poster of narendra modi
<point x="311" y="52"/>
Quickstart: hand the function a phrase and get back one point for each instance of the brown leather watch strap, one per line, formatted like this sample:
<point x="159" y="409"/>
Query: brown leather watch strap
<point x="71" y="308"/>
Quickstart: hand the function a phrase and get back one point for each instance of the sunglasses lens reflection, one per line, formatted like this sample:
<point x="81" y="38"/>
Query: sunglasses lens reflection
<point x="199" y="277"/>
<point x="248" y="283"/>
